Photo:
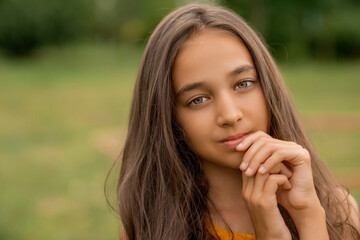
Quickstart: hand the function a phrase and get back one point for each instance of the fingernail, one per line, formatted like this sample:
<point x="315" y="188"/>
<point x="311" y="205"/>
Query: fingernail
<point x="261" y="169"/>
<point x="243" y="166"/>
<point x="248" y="171"/>
<point x="240" y="145"/>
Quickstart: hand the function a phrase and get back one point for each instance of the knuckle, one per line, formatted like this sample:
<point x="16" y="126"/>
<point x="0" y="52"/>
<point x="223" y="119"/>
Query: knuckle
<point x="246" y="196"/>
<point x="268" y="144"/>
<point x="276" y="168"/>
<point x="243" y="194"/>
<point x="255" y="200"/>
<point x="265" y="135"/>
<point x="271" y="178"/>
<point x="253" y="164"/>
<point x="263" y="138"/>
<point x="274" y="177"/>
<point x="305" y="154"/>
<point x="279" y="153"/>
<point x="259" y="132"/>
<point x="262" y="204"/>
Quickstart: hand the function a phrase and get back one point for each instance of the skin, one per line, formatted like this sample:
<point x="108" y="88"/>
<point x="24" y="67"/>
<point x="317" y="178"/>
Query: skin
<point x="224" y="105"/>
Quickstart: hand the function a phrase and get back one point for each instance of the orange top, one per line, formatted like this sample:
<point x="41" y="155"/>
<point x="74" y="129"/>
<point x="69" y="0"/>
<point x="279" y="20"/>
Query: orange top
<point x="226" y="235"/>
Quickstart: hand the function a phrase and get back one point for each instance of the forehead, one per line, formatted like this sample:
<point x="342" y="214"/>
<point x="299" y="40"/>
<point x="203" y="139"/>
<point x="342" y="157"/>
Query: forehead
<point x="209" y="54"/>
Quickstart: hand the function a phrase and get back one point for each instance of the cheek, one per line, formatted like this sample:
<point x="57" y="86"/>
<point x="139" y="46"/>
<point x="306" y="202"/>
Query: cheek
<point x="256" y="111"/>
<point x="262" y="113"/>
<point x="195" y="125"/>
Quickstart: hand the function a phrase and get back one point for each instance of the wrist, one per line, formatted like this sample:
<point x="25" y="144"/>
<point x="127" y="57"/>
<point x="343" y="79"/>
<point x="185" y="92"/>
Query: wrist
<point x="311" y="222"/>
<point x="309" y="216"/>
<point x="308" y="213"/>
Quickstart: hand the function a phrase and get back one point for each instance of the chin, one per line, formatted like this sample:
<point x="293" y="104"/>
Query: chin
<point x="228" y="160"/>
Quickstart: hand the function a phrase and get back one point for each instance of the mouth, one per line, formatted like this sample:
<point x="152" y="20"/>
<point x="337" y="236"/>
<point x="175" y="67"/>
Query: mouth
<point x="234" y="140"/>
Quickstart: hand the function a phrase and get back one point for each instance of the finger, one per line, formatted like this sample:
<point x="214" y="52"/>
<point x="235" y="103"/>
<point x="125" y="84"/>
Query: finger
<point x="253" y="142"/>
<point x="279" y="168"/>
<point x="248" y="185"/>
<point x="273" y="182"/>
<point x="244" y="180"/>
<point x="293" y="156"/>
<point x="254" y="146"/>
<point x="259" y="183"/>
<point x="261" y="155"/>
<point x="249" y="139"/>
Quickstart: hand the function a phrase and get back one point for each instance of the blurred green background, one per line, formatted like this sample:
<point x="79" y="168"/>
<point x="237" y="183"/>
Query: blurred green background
<point x="67" y="70"/>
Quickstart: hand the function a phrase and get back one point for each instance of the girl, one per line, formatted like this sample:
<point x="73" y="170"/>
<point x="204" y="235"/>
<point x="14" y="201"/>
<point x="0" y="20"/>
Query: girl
<point x="215" y="149"/>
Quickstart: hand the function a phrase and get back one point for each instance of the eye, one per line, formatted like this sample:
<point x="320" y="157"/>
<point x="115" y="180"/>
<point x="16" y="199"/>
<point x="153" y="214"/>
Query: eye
<point x="244" y="84"/>
<point x="197" y="101"/>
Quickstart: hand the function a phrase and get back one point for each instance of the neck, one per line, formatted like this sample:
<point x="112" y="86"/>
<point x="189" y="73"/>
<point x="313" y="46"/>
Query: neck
<point x="225" y="192"/>
<point x="225" y="187"/>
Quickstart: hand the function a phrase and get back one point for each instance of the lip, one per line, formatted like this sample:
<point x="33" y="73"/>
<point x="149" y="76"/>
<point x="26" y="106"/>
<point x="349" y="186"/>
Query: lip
<point x="234" y="140"/>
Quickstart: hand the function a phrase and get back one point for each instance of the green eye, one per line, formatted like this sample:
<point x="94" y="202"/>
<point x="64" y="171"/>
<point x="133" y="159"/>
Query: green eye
<point x="244" y="84"/>
<point x="198" y="100"/>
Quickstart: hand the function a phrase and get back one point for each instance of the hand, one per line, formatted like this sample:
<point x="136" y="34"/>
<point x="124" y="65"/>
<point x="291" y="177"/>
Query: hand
<point x="259" y="193"/>
<point x="264" y="152"/>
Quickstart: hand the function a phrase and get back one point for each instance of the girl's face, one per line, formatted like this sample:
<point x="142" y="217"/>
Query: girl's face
<point x="218" y="96"/>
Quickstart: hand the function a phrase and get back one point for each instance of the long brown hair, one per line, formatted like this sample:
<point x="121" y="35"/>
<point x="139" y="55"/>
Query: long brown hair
<point x="162" y="192"/>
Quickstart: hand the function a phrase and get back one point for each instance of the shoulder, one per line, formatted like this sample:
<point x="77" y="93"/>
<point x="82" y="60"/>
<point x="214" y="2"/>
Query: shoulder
<point x="123" y="233"/>
<point x="353" y="207"/>
<point x="353" y="203"/>
<point x="346" y="196"/>
<point x="354" y="211"/>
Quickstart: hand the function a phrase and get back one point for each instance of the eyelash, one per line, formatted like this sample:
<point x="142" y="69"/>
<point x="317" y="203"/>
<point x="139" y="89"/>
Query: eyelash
<point x="246" y="81"/>
<point x="191" y="103"/>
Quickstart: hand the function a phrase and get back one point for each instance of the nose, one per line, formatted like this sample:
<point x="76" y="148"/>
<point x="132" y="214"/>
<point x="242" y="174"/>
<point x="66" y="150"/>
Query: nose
<point x="228" y="110"/>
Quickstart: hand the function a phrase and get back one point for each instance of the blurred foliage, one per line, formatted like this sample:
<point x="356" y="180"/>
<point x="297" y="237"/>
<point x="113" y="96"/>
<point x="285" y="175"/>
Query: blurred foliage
<point x="307" y="28"/>
<point x="26" y="25"/>
<point x="139" y="18"/>
<point x="293" y="29"/>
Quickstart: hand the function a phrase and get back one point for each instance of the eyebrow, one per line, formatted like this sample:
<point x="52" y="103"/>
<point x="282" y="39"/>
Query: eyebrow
<point x="241" y="69"/>
<point x="195" y="85"/>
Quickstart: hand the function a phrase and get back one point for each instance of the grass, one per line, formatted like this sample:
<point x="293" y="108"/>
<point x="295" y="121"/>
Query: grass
<point x="54" y="107"/>
<point x="63" y="119"/>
